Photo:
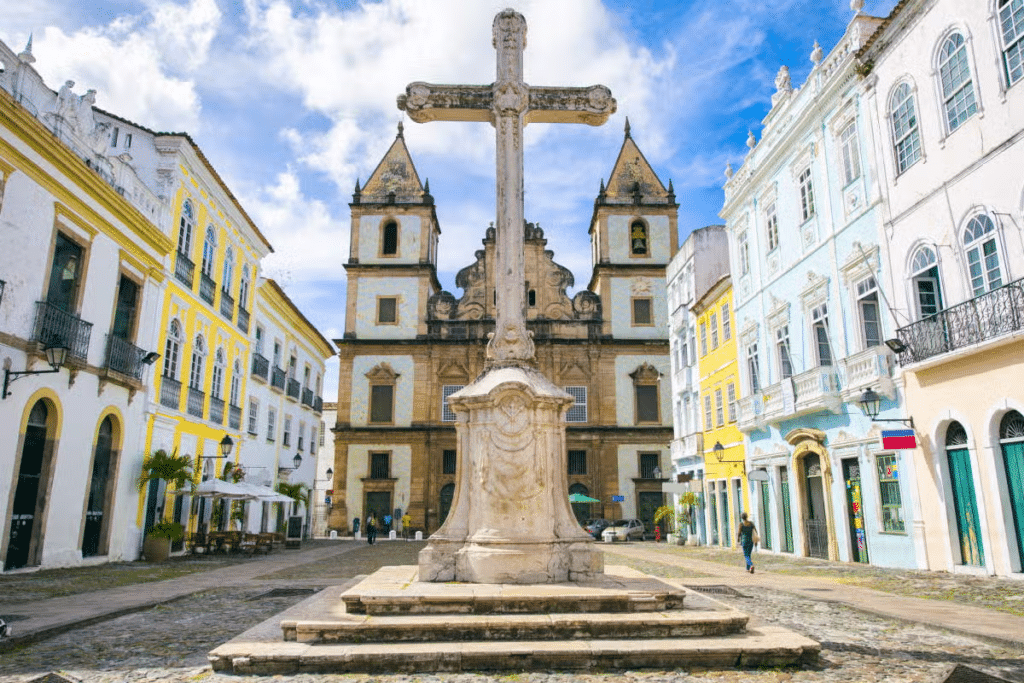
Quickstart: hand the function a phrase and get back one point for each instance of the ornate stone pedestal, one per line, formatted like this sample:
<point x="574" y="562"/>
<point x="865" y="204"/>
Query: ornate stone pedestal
<point x="510" y="520"/>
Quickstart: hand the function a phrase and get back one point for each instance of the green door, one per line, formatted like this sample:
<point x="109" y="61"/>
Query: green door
<point x="965" y="506"/>
<point x="787" y="515"/>
<point x="766" y="517"/>
<point x="1013" y="460"/>
<point x="855" y="510"/>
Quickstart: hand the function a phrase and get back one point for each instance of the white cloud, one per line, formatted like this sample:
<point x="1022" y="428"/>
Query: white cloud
<point x="183" y="33"/>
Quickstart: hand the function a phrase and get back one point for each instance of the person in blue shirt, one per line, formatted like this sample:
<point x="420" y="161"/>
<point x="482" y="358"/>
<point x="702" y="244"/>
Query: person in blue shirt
<point x="745" y="537"/>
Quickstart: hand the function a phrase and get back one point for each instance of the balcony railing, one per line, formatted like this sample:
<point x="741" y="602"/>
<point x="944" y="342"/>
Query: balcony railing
<point x="293" y="388"/>
<point x="184" y="269"/>
<point x="124" y="357"/>
<point x="751" y="415"/>
<point x="307" y="397"/>
<point x="980" y="319"/>
<point x="216" y="410"/>
<point x="260" y="366"/>
<point x="195" y="401"/>
<point x="243" y="319"/>
<point x="234" y="416"/>
<point x="817" y="390"/>
<point x="277" y="378"/>
<point x="318" y="405"/>
<point x="55" y="327"/>
<point x="227" y="305"/>
<point x="207" y="288"/>
<point x="170" y="392"/>
<point x="868" y="369"/>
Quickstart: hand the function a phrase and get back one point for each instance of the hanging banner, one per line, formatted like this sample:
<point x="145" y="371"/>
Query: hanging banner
<point x="898" y="439"/>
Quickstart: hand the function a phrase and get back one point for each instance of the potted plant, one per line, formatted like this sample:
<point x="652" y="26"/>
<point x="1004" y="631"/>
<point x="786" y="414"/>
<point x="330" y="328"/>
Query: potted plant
<point x="169" y="468"/>
<point x="157" y="546"/>
<point x="687" y="502"/>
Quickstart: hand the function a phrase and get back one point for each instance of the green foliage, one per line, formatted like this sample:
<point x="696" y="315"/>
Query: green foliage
<point x="172" y="468"/>
<point x="172" y="531"/>
<point x="297" y="491"/>
<point x="666" y="513"/>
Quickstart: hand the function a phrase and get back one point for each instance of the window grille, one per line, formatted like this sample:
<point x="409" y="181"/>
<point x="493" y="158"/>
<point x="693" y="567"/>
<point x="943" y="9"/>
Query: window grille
<point x="380" y="465"/>
<point x="578" y="410"/>
<point x="447" y="414"/>
<point x="955" y="79"/>
<point x="649" y="463"/>
<point x="448" y="461"/>
<point x="577" y="462"/>
<point x="1011" y="25"/>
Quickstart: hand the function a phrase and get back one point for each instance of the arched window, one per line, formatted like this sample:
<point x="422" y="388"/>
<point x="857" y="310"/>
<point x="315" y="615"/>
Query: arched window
<point x="389" y="239"/>
<point x="172" y="351"/>
<point x="195" y="379"/>
<point x="229" y="270"/>
<point x="1011" y="28"/>
<point x="924" y="269"/>
<point x="955" y="79"/>
<point x="906" y="135"/>
<point x="639" y="243"/>
<point x="217" y="381"/>
<point x="982" y="249"/>
<point x="243" y="289"/>
<point x="209" y="252"/>
<point x="185" y="229"/>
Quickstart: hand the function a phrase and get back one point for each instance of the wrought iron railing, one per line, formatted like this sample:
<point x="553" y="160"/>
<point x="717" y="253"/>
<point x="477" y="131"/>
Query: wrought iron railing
<point x="195" y="401"/>
<point x="293" y="388"/>
<point x="170" y="392"/>
<point x="216" y="410"/>
<point x="277" y="376"/>
<point x="184" y="269"/>
<point x="984" y="317"/>
<point x="207" y="288"/>
<point x="816" y="531"/>
<point x="227" y="304"/>
<point x="234" y="416"/>
<point x="260" y="366"/>
<point x="318" y="404"/>
<point x="55" y="327"/>
<point x="124" y="357"/>
<point x="307" y="397"/>
<point x="243" y="319"/>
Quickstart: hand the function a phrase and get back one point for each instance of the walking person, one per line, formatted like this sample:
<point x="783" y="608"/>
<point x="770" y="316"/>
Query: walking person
<point x="746" y="537"/>
<point x="406" y="523"/>
<point x="371" y="528"/>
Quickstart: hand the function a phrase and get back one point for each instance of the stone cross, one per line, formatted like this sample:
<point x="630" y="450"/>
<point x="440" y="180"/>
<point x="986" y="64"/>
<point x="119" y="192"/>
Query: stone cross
<point x="508" y="104"/>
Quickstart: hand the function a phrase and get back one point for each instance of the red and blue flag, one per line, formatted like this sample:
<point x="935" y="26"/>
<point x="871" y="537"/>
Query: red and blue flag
<point x="898" y="439"/>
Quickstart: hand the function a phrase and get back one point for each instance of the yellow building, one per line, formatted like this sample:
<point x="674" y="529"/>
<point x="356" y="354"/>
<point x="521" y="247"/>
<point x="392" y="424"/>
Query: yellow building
<point x="725" y="494"/>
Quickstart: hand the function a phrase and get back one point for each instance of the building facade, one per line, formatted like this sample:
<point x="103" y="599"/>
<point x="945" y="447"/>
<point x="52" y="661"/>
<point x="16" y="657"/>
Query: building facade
<point x="408" y="345"/>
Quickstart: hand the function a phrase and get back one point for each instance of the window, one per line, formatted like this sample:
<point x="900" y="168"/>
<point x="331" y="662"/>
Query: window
<point x="217" y="380"/>
<point x="638" y="238"/>
<point x="254" y="414"/>
<point x="292" y="364"/>
<point x="955" y="78"/>
<point x="647" y="403"/>
<point x="113" y="136"/>
<point x="726" y="324"/>
<point x="286" y="437"/>
<point x="380" y="465"/>
<point x="448" y="461"/>
<point x="259" y="339"/>
<point x="719" y="409"/>
<point x="125" y="311"/>
<point x="209" y="252"/>
<point x="577" y="462"/>
<point x="382" y="403"/>
<point x="744" y="253"/>
<point x="236" y="382"/>
<point x="643" y="313"/>
<point x="65" y="281"/>
<point x="731" y="395"/>
<point x="387" y="310"/>
<point x="302" y="433"/>
<point x="771" y="222"/>
<point x="447" y="414"/>
<point x="982" y="254"/>
<point x="849" y="152"/>
<point x="531" y="298"/>
<point x="707" y="413"/>
<point x="185" y="229"/>
<point x="1011" y="27"/>
<point x="703" y="339"/>
<point x="243" y="289"/>
<point x="229" y="270"/>
<point x="782" y="348"/>
<point x="195" y="379"/>
<point x="172" y="351"/>
<point x="271" y="424"/>
<point x="867" y="305"/>
<point x="312" y="438"/>
<point x="821" y="340"/>
<point x="648" y="465"/>
<point x="905" y="133"/>
<point x="889" y="492"/>
<point x="924" y="270"/>
<point x="323" y="431"/>
<point x="806" y="195"/>
<point x="713" y="324"/>
<point x="578" y="410"/>
<point x="754" y="368"/>
<point x="389" y="239"/>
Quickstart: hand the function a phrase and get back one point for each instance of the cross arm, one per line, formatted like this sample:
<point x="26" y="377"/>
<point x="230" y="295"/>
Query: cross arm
<point x="425" y="102"/>
<point x="592" y="105"/>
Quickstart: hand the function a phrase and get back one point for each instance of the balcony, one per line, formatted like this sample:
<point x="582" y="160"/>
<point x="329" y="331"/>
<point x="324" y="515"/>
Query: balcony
<point x="869" y="369"/>
<point x="277" y="378"/>
<point x="318" y="405"/>
<point x="983" y="318"/>
<point x="817" y="390"/>
<point x="293" y="388"/>
<point x="195" y="402"/>
<point x="124" y="357"/>
<point x="234" y="416"/>
<point x="184" y="269"/>
<point x="216" y="410"/>
<point x="688" y="448"/>
<point x="207" y="288"/>
<point x="751" y="415"/>
<point x="260" y="367"/>
<point x="54" y="327"/>
<point x="227" y="305"/>
<point x="170" y="393"/>
<point x="307" y="397"/>
<point x="243" y="320"/>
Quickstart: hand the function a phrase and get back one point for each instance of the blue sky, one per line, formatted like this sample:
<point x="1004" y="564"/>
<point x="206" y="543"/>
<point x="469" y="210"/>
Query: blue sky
<point x="293" y="100"/>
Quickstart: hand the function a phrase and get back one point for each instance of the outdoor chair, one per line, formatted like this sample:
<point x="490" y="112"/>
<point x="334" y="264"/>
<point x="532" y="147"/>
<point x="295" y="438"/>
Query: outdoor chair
<point x="198" y="545"/>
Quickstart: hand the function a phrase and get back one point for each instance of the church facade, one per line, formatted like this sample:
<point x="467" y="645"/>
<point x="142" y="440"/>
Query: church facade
<point x="408" y="345"/>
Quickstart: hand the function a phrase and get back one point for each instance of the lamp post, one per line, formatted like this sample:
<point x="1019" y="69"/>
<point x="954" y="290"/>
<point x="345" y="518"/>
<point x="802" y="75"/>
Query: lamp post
<point x="719" y="450"/>
<point x="55" y="356"/>
<point x="871" y="404"/>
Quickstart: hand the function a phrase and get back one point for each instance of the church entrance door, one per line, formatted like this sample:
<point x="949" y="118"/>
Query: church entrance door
<point x="25" y="537"/>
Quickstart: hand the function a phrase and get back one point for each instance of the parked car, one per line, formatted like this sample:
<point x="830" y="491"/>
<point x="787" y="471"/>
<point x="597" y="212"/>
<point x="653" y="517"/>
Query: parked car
<point x="594" y="527"/>
<point x="627" y="530"/>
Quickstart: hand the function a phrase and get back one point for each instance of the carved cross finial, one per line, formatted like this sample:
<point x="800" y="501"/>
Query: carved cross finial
<point x="401" y="130"/>
<point x="627" y="126"/>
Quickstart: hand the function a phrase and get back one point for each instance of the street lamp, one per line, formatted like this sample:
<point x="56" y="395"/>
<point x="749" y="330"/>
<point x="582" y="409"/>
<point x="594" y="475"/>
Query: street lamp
<point x="55" y="356"/>
<point x="871" y="403"/>
<point x="226" y="444"/>
<point x="719" y="450"/>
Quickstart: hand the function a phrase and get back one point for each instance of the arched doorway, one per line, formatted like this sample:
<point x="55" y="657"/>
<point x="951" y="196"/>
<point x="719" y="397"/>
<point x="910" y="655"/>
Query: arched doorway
<point x="965" y="505"/>
<point x="444" y="503"/>
<point x="813" y="484"/>
<point x="581" y="510"/>
<point x="24" y="547"/>
<point x="1011" y="441"/>
<point x="95" y="539"/>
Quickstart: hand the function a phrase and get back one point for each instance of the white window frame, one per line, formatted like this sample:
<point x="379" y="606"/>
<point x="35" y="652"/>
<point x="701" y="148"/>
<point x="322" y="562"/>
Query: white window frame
<point x="209" y="251"/>
<point x="849" y="147"/>
<point x="271" y="424"/>
<point x="447" y="414"/>
<point x="783" y="352"/>
<point x="578" y="410"/>
<point x="980" y="231"/>
<point x="964" y="87"/>
<point x="925" y="259"/>
<point x="754" y="367"/>
<point x="866" y="291"/>
<point x="771" y="221"/>
<point x="1005" y="9"/>
<point x="726" y="324"/>
<point x="286" y="435"/>
<point x="172" y="351"/>
<point x="713" y="324"/>
<point x="708" y="419"/>
<point x="254" y="416"/>
<point x="819" y="325"/>
<point x="806" y="194"/>
<point x="730" y="390"/>
<point x="902" y="112"/>
<point x="744" y="242"/>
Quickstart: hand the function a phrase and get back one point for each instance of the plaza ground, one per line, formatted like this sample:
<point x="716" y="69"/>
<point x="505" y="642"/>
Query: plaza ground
<point x="139" y="621"/>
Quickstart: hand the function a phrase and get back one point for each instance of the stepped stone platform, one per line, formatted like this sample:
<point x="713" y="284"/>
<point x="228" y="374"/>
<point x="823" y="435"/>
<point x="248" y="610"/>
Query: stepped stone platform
<point x="390" y="622"/>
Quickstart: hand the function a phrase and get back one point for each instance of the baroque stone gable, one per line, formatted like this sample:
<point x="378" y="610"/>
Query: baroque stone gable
<point x="633" y="180"/>
<point x="382" y="372"/>
<point x="395" y="179"/>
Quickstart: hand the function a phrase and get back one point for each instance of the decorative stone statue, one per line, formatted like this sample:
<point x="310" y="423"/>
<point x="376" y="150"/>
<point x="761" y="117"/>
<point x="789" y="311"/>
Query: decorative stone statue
<point x="816" y="54"/>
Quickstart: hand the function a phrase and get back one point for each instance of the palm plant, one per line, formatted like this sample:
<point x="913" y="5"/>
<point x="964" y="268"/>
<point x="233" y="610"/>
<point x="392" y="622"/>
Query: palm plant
<point x="298" y="491"/>
<point x="171" y="468"/>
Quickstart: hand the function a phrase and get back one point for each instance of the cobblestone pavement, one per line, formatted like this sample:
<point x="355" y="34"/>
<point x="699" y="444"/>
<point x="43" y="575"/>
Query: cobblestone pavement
<point x="170" y="642"/>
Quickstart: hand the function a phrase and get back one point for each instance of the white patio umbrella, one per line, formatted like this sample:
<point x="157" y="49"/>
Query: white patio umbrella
<point x="264" y="493"/>
<point x="218" y="488"/>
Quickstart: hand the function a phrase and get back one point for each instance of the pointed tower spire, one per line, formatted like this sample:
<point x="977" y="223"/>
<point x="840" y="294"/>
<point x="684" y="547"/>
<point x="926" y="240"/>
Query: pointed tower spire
<point x="26" y="55"/>
<point x="627" y="127"/>
<point x="401" y="130"/>
<point x="357" y="194"/>
<point x="671" y="192"/>
<point x="427" y="197"/>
